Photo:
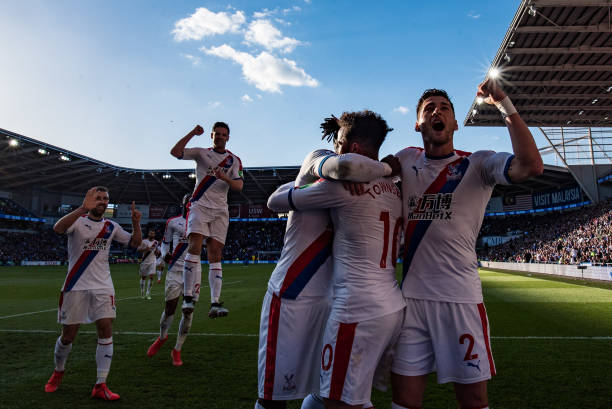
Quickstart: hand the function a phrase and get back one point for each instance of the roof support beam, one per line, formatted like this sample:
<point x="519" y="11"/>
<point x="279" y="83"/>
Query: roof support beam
<point x="583" y="49"/>
<point x="560" y="96"/>
<point x="586" y="107"/>
<point x="573" y="3"/>
<point x="560" y="83"/>
<point x="561" y="67"/>
<point x="588" y="120"/>
<point x="595" y="28"/>
<point x="166" y="189"/>
<point x="256" y="182"/>
<point x="36" y="169"/>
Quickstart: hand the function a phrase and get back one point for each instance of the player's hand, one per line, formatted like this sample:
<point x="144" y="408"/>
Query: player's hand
<point x="355" y="188"/>
<point x="198" y="130"/>
<point x="136" y="215"/>
<point x="90" y="202"/>
<point x="393" y="161"/>
<point x="220" y="174"/>
<point x="490" y="91"/>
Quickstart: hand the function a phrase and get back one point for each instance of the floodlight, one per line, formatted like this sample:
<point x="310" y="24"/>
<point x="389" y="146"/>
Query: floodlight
<point x="474" y="112"/>
<point x="13" y="143"/>
<point x="507" y="58"/>
<point x="64" y="158"/>
<point x="581" y="112"/>
<point x="594" y="101"/>
<point x="43" y="151"/>
<point x="532" y="11"/>
<point x="192" y="175"/>
<point x="494" y="72"/>
<point x="479" y="100"/>
<point x="166" y="176"/>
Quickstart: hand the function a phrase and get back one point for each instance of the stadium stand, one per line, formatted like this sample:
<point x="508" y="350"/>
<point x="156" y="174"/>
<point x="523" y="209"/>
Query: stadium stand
<point x="573" y="237"/>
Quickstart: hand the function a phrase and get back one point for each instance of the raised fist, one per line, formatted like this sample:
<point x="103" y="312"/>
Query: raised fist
<point x="198" y="130"/>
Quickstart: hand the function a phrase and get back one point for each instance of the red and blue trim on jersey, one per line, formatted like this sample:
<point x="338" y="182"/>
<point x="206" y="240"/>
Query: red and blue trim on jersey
<point x="416" y="229"/>
<point x="177" y="253"/>
<point x="208" y="180"/>
<point x="86" y="258"/>
<point x="306" y="265"/>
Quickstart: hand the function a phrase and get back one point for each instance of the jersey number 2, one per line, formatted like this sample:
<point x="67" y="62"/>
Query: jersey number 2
<point x="384" y="217"/>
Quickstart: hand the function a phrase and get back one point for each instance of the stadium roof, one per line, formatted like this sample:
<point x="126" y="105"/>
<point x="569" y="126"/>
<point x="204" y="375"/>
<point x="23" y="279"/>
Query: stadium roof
<point x="35" y="164"/>
<point x="28" y="163"/>
<point x="556" y="65"/>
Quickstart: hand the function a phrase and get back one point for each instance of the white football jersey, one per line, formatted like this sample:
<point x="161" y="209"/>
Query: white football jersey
<point x="304" y="268"/>
<point x="89" y="242"/>
<point x="366" y="231"/>
<point x="148" y="256"/>
<point x="444" y="203"/>
<point x="209" y="191"/>
<point x="174" y="235"/>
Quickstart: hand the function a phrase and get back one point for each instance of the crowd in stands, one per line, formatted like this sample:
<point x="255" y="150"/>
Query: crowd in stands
<point x="579" y="236"/>
<point x="570" y="237"/>
<point x="8" y="206"/>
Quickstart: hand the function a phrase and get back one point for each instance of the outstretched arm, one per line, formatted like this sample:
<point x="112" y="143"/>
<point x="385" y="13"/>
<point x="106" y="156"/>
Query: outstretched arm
<point x="527" y="161"/>
<point x="350" y="167"/>
<point x="179" y="148"/>
<point x="319" y="195"/>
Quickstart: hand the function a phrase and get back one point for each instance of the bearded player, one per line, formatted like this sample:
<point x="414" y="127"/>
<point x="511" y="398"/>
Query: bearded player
<point x="174" y="249"/>
<point x="445" y="193"/>
<point x="297" y="304"/>
<point x="148" y="250"/>
<point x="217" y="171"/>
<point x="88" y="294"/>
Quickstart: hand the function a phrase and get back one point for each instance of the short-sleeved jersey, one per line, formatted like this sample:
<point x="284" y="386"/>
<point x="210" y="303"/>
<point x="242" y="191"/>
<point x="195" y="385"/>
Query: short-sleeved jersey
<point x="304" y="268"/>
<point x="175" y="239"/>
<point x="366" y="230"/>
<point x="89" y="243"/>
<point x="444" y="203"/>
<point x="209" y="191"/>
<point x="148" y="256"/>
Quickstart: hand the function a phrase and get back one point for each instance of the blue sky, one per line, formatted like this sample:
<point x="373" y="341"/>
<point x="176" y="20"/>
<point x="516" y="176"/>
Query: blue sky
<point x="122" y="81"/>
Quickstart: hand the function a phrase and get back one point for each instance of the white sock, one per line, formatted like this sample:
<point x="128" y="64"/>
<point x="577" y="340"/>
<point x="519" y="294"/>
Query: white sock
<point x="258" y="405"/>
<point x="164" y="324"/>
<point x="149" y="284"/>
<point x="184" y="327"/>
<point x="215" y="279"/>
<point x="142" y="286"/>
<point x="192" y="275"/>
<point x="104" y="356"/>
<point x="313" y="401"/>
<point x="60" y="354"/>
<point x="159" y="274"/>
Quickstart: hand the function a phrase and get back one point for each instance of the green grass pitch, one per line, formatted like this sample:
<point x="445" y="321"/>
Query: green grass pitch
<point x="552" y="343"/>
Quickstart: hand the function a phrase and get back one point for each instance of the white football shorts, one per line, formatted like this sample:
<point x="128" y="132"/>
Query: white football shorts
<point x="450" y="338"/>
<point x="208" y="222"/>
<point x="147" y="269"/>
<point x="85" y="306"/>
<point x="174" y="286"/>
<point x="290" y="335"/>
<point x="351" y="353"/>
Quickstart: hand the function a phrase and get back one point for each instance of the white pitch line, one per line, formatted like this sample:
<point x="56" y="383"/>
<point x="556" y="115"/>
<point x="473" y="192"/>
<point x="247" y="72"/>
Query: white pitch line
<point x="55" y="309"/>
<point x="203" y="334"/>
<point x="200" y="334"/>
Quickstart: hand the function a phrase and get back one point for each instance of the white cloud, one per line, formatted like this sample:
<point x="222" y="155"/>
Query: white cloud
<point x="282" y="22"/>
<point x="307" y="1"/>
<point x="246" y="98"/>
<point x="262" y="32"/>
<point x="194" y="60"/>
<point x="204" y="23"/>
<point x="294" y="8"/>
<point x="473" y="15"/>
<point x="264" y="13"/>
<point x="214" y="104"/>
<point x="259" y="96"/>
<point x="401" y="109"/>
<point x="265" y="71"/>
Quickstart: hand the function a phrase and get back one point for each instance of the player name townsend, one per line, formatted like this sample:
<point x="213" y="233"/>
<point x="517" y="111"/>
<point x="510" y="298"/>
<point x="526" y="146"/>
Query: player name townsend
<point x="430" y="215"/>
<point x="382" y="187"/>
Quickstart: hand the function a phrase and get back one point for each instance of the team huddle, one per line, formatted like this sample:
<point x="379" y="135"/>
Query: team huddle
<point x="335" y="321"/>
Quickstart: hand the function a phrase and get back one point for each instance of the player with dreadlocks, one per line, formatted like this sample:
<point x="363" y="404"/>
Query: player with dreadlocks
<point x="297" y="303"/>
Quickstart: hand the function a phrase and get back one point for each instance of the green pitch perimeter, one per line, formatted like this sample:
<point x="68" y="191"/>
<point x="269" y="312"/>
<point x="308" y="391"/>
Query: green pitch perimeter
<point x="552" y="343"/>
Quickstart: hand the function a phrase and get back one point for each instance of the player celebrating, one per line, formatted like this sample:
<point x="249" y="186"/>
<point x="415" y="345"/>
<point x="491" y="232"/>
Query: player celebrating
<point x="299" y="286"/>
<point x="147" y="248"/>
<point x="217" y="170"/>
<point x="88" y="294"/>
<point x="174" y="249"/>
<point x="445" y="192"/>
<point x="367" y="309"/>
